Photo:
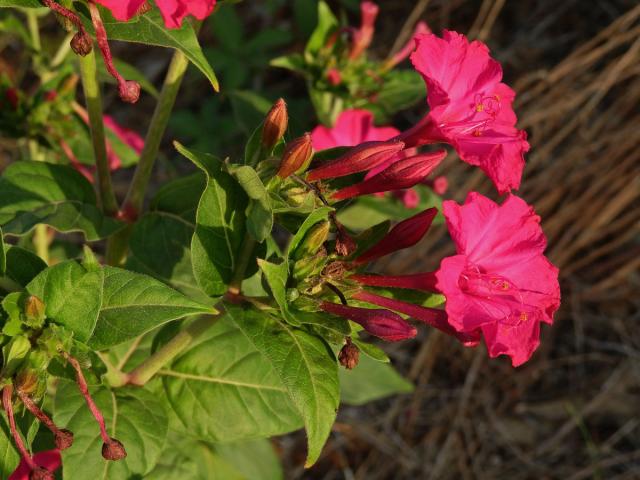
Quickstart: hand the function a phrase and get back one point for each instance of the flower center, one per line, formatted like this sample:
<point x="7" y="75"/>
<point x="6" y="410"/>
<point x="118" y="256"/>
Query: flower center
<point x="499" y="296"/>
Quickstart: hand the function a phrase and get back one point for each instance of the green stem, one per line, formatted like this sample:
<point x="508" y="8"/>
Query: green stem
<point x="62" y="52"/>
<point x="34" y="30"/>
<point x="152" y="365"/>
<point x="118" y="244"/>
<point x="157" y="127"/>
<point x="88" y="73"/>
<point x="41" y="242"/>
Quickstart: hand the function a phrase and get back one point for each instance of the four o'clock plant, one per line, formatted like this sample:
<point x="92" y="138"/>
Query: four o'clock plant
<point x="230" y="305"/>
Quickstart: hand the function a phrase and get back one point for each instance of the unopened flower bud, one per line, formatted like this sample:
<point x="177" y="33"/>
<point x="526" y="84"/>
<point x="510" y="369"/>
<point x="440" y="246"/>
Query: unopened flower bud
<point x="349" y="355"/>
<point x="297" y="155"/>
<point x="34" y="310"/>
<point x="310" y="266"/>
<point x="63" y="439"/>
<point x="334" y="77"/>
<point x="40" y="473"/>
<point x="113" y="450"/>
<point x="275" y="124"/>
<point x="313" y="240"/>
<point x="81" y="43"/>
<point x="129" y="91"/>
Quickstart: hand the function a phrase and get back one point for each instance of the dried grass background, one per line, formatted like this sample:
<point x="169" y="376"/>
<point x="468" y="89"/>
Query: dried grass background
<point x="573" y="412"/>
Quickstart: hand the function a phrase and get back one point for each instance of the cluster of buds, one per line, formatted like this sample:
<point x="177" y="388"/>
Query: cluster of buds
<point x="30" y="346"/>
<point x="82" y="44"/>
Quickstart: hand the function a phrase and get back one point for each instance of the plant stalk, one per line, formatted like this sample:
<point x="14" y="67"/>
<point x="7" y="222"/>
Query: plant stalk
<point x="88" y="73"/>
<point x="118" y="244"/>
<point x="152" y="365"/>
<point x="248" y="244"/>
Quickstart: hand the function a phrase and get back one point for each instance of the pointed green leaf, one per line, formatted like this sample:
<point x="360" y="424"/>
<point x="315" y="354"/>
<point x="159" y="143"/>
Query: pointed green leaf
<point x="22" y="265"/>
<point x="134" y="416"/>
<point x="327" y="22"/>
<point x="220" y="225"/>
<point x="57" y="195"/>
<point x="223" y="388"/>
<point x="181" y="196"/>
<point x="108" y="306"/>
<point x="306" y="366"/>
<point x="277" y="276"/>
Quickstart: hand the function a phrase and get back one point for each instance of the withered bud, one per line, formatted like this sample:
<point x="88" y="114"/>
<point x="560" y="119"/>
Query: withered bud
<point x="63" y="439"/>
<point x="297" y="156"/>
<point x="345" y="245"/>
<point x="40" y="473"/>
<point x="129" y="91"/>
<point x="81" y="43"/>
<point x="113" y="450"/>
<point x="349" y="355"/>
<point x="34" y="309"/>
<point x="144" y="8"/>
<point x="275" y="124"/>
<point x="26" y="381"/>
<point x="335" y="270"/>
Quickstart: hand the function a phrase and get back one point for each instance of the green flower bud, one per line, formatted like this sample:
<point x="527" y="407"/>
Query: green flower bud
<point x="313" y="240"/>
<point x="34" y="311"/>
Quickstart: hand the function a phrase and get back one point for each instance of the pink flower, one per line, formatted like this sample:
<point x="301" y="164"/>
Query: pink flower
<point x="352" y="128"/>
<point x="49" y="460"/>
<point x="173" y="11"/>
<point x="500" y="282"/>
<point x="410" y="46"/>
<point x="470" y="107"/>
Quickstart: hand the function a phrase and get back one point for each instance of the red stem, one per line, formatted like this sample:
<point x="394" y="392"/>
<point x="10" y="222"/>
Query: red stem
<point x="36" y="412"/>
<point x="7" y="393"/>
<point x="68" y="14"/>
<point x="84" y="389"/>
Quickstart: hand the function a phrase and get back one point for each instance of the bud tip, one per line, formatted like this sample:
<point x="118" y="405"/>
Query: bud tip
<point x="113" y="450"/>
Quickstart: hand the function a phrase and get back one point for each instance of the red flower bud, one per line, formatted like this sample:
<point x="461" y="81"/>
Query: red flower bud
<point x="405" y="234"/>
<point x="297" y="155"/>
<point x="113" y="449"/>
<point x="129" y="91"/>
<point x="63" y="439"/>
<point x="349" y="355"/>
<point x="275" y="124"/>
<point x="404" y="173"/>
<point x="362" y="157"/>
<point x="381" y="323"/>
<point x="418" y="281"/>
<point x="362" y="37"/>
<point x="431" y="316"/>
<point x="334" y="77"/>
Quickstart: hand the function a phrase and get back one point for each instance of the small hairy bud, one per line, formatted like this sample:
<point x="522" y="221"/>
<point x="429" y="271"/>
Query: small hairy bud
<point x="113" y="450"/>
<point x="275" y="124"/>
<point x="81" y="43"/>
<point x="297" y="155"/>
<point x="34" y="309"/>
<point x="40" y="473"/>
<point x="349" y="355"/>
<point x="63" y="439"/>
<point x="129" y="91"/>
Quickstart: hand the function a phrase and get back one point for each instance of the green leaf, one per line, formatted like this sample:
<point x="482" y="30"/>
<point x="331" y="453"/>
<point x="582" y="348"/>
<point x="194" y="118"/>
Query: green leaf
<point x="134" y="416"/>
<point x="369" y="381"/>
<point x="277" y="276"/>
<point x="149" y="29"/>
<point x="196" y="460"/>
<point x="294" y="62"/>
<point x="372" y="351"/>
<point x="160" y="246"/>
<point x="224" y="389"/>
<point x="9" y="456"/>
<point x="20" y="3"/>
<point x="259" y="212"/>
<point x="57" y="195"/>
<point x="181" y="196"/>
<point x="108" y="306"/>
<point x="401" y="90"/>
<point x="3" y="254"/>
<point x="22" y="265"/>
<point x="327" y="23"/>
<point x="306" y="366"/>
<point x="316" y="216"/>
<point x="220" y="225"/>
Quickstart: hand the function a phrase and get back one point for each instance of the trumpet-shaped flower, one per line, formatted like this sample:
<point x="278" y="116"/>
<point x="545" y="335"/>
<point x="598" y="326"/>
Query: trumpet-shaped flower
<point x="500" y="281"/>
<point x="471" y="108"/>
